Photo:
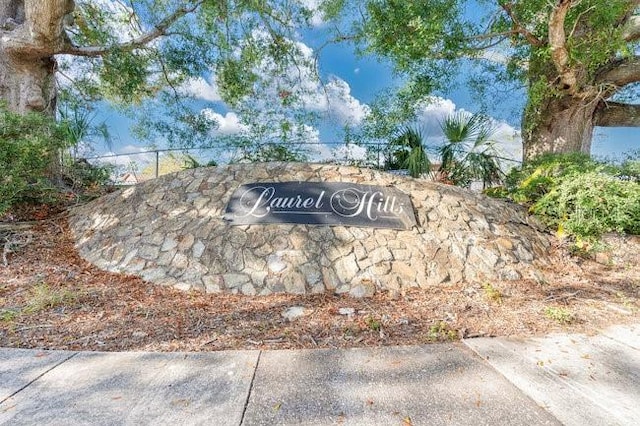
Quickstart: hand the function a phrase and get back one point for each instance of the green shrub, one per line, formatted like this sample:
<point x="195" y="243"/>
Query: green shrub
<point x="496" y="192"/>
<point x="630" y="170"/>
<point x="536" y="178"/>
<point x="28" y="147"/>
<point x="578" y="195"/>
<point x="591" y="204"/>
<point x="82" y="175"/>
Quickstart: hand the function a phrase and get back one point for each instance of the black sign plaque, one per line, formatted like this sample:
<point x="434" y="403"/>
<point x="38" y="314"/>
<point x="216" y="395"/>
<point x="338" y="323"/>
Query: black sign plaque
<point x="320" y="203"/>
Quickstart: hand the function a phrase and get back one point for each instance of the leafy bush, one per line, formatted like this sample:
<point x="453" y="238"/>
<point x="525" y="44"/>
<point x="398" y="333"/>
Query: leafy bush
<point x="630" y="168"/>
<point x="80" y="174"/>
<point x="536" y="178"/>
<point x="578" y="195"/>
<point x="28" y="146"/>
<point x="592" y="203"/>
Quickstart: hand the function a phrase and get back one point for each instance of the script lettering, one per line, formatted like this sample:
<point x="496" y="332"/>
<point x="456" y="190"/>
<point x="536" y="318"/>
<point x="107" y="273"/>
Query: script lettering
<point x="320" y="203"/>
<point x="351" y="202"/>
<point x="257" y="207"/>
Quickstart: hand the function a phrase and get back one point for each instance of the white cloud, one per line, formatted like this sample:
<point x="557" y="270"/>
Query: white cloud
<point x="201" y="89"/>
<point x="309" y="133"/>
<point x="349" y="154"/>
<point x="300" y="80"/>
<point x="343" y="154"/>
<point x="501" y="56"/>
<point x="509" y="140"/>
<point x="494" y="55"/>
<point x="433" y="111"/>
<point x="335" y="99"/>
<point x="71" y="69"/>
<point x="317" y="17"/>
<point x="228" y="124"/>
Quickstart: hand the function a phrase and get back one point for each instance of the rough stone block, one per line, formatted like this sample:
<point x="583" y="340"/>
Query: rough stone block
<point x="294" y="283"/>
<point x="347" y="268"/>
<point x="330" y="279"/>
<point x="363" y="285"/>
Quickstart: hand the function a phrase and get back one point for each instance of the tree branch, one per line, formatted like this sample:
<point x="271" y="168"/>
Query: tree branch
<point x="557" y="39"/>
<point x="614" y="114"/>
<point x="622" y="72"/>
<point x="519" y="28"/>
<point x="157" y="31"/>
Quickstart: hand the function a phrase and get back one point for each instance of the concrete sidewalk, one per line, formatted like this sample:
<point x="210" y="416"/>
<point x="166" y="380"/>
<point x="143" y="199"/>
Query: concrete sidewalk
<point x="568" y="379"/>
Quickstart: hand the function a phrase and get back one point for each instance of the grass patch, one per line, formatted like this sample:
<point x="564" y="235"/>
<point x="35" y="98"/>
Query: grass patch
<point x="8" y="315"/>
<point x="42" y="297"/>
<point x="441" y="332"/>
<point x="372" y="323"/>
<point x="559" y="314"/>
<point x="491" y="293"/>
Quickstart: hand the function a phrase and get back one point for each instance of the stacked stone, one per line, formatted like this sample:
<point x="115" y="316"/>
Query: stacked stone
<point x="171" y="231"/>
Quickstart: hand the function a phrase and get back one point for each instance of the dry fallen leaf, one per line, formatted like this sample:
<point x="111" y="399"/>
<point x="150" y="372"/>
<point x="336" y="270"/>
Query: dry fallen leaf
<point x="103" y="309"/>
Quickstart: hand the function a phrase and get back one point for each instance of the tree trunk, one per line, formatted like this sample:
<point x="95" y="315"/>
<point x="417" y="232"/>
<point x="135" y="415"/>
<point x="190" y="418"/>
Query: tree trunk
<point x="27" y="85"/>
<point x="31" y="33"/>
<point x="561" y="125"/>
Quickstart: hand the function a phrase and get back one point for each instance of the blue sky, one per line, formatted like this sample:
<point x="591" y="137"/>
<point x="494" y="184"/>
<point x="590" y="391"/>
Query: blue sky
<point x="353" y="83"/>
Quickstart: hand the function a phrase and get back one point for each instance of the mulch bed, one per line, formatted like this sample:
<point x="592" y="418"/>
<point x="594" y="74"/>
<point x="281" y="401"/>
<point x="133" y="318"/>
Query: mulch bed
<point x="51" y="298"/>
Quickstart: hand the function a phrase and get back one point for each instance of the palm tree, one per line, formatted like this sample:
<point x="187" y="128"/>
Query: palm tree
<point x="469" y="154"/>
<point x="78" y="126"/>
<point x="406" y="152"/>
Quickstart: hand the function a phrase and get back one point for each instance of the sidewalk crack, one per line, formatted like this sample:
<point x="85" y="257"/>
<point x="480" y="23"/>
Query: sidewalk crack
<point x="38" y="377"/>
<point x="253" y="377"/>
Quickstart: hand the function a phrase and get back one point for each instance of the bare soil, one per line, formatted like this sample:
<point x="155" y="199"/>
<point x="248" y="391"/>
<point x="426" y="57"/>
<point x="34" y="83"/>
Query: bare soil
<point x="50" y="298"/>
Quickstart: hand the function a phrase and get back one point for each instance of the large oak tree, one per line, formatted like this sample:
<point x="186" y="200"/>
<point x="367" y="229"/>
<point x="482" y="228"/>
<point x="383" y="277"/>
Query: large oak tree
<point x="127" y="52"/>
<point x="578" y="59"/>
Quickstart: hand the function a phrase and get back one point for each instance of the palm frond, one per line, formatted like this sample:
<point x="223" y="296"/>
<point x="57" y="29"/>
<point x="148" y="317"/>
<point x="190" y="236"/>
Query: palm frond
<point x="469" y="152"/>
<point x="406" y="151"/>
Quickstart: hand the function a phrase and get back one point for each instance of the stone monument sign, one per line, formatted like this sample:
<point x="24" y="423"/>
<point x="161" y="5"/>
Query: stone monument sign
<point x="320" y="203"/>
<point x="256" y="229"/>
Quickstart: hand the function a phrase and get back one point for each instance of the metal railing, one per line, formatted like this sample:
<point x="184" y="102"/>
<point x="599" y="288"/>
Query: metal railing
<point x="154" y="156"/>
<point x="375" y="157"/>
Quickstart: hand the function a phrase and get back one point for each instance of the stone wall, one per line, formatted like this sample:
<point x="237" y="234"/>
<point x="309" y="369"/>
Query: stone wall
<point x="170" y="231"/>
